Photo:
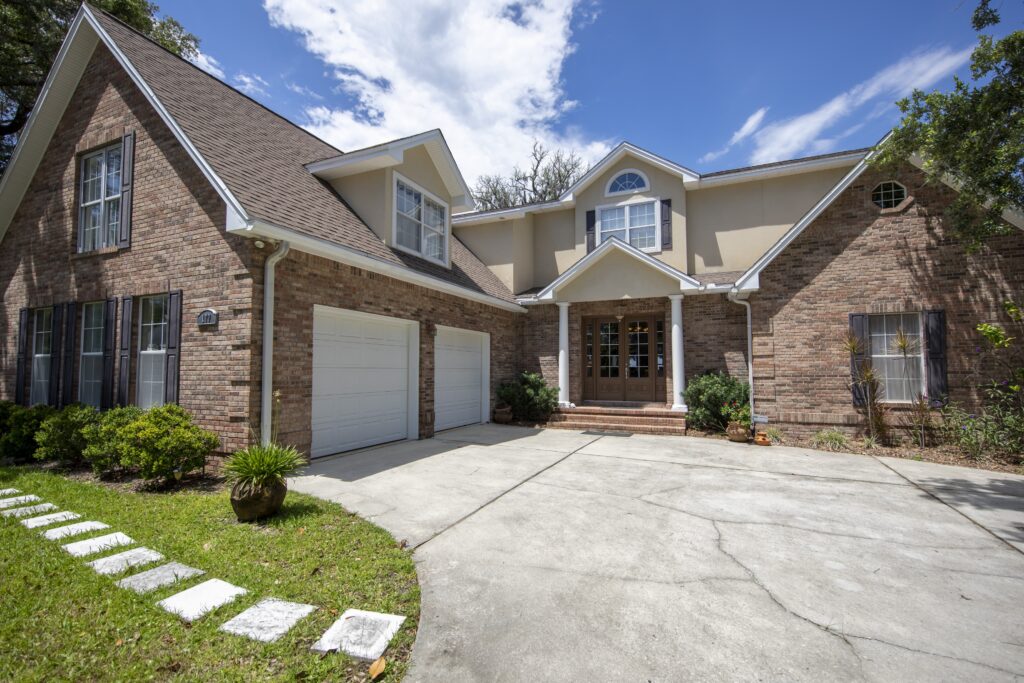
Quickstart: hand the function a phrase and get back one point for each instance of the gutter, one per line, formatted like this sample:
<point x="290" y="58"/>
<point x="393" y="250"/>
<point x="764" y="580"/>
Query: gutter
<point x="267" y="383"/>
<point x="750" y="354"/>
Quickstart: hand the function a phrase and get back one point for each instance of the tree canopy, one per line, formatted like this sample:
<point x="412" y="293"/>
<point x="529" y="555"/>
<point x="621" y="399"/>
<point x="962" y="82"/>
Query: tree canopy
<point x="31" y="32"/>
<point x="549" y="174"/>
<point x="973" y="135"/>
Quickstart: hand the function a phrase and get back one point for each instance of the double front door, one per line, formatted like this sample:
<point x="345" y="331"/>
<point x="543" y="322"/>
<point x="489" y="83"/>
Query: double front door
<point x="624" y="358"/>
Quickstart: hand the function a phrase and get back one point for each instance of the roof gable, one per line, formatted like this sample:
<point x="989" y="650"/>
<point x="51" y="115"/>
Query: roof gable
<point x="622" y="150"/>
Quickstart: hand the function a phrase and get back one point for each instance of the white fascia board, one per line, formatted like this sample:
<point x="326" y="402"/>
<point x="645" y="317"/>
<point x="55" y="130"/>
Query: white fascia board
<point x="336" y="252"/>
<point x="476" y="218"/>
<point x="749" y="280"/>
<point x="686" y="283"/>
<point x="235" y="212"/>
<point x="621" y="150"/>
<point x="782" y="170"/>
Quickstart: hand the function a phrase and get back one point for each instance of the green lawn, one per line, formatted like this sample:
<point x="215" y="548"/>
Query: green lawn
<point x="61" y="621"/>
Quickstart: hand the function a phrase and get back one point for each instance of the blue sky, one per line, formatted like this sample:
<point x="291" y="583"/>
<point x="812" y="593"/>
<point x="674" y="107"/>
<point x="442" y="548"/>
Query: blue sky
<point x="710" y="85"/>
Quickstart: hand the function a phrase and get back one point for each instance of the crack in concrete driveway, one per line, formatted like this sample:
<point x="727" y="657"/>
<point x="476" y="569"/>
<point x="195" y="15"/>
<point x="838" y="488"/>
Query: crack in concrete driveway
<point x="562" y="555"/>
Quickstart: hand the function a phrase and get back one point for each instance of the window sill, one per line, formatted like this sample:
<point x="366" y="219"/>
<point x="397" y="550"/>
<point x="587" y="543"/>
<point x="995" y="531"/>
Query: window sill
<point x="105" y="251"/>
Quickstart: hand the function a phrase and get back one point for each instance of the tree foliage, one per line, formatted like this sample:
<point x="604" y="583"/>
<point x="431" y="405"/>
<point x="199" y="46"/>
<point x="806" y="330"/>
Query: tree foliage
<point x="31" y="32"/>
<point x="549" y="174"/>
<point x="973" y="134"/>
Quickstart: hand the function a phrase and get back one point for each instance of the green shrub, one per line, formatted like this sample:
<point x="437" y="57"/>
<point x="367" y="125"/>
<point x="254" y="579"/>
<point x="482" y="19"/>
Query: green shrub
<point x="529" y="396"/>
<point x="774" y="435"/>
<point x="18" y="442"/>
<point x="163" y="442"/>
<point x="5" y="411"/>
<point x="709" y="396"/>
<point x="262" y="464"/>
<point x="103" y="445"/>
<point x="61" y="436"/>
<point x="829" y="440"/>
<point x="997" y="429"/>
<point x="737" y="412"/>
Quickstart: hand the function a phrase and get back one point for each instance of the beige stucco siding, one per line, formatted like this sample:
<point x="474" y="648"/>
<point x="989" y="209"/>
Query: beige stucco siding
<point x="617" y="276"/>
<point x="555" y="247"/>
<point x="730" y="226"/>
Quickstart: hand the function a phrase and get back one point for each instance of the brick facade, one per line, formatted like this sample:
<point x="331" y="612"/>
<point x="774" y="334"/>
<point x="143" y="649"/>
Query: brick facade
<point x="857" y="258"/>
<point x="303" y="281"/>
<point x="177" y="242"/>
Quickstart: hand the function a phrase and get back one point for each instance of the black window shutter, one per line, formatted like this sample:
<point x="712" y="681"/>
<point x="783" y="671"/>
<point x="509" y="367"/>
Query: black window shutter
<point x="859" y="330"/>
<point x="109" y="324"/>
<point x="68" y="362"/>
<point x="591" y="224"/>
<point x="935" y="339"/>
<point x="124" y="231"/>
<point x="124" y="351"/>
<point x="19" y="387"/>
<point x="666" y="224"/>
<point x="173" y="358"/>
<point x="56" y="336"/>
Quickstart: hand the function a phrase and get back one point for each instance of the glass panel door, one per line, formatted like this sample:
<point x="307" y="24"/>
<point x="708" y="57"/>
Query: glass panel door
<point x="609" y="362"/>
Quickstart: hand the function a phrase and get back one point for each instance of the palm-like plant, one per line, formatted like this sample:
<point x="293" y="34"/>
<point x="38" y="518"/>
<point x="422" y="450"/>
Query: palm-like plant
<point x="262" y="465"/>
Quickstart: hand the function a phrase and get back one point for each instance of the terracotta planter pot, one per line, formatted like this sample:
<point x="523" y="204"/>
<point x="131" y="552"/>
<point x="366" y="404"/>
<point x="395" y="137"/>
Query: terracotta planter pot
<point x="503" y="415"/>
<point x="761" y="439"/>
<point x="737" y="432"/>
<point x="252" y="503"/>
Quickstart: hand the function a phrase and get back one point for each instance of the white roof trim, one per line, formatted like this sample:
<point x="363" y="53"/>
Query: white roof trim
<point x="776" y="171"/>
<point x="686" y="283"/>
<point x="621" y="150"/>
<point x="392" y="153"/>
<point x="12" y="191"/>
<point x="341" y="254"/>
<point x="476" y="217"/>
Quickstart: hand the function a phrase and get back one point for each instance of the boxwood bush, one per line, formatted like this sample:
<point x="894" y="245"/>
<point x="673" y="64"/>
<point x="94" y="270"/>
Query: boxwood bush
<point x="103" y="446"/>
<point x="61" y="435"/>
<point x="709" y="397"/>
<point x="529" y="396"/>
<point x="18" y="437"/>
<point x="163" y="442"/>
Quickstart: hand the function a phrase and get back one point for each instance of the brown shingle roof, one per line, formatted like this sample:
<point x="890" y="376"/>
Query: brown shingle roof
<point x="260" y="156"/>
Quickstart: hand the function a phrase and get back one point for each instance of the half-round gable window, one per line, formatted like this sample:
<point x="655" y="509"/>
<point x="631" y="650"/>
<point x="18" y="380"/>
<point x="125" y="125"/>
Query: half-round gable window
<point x="888" y="194"/>
<point x="628" y="181"/>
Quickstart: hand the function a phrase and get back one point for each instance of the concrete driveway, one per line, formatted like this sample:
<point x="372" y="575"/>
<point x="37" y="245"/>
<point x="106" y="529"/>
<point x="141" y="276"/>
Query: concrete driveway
<point x="576" y="556"/>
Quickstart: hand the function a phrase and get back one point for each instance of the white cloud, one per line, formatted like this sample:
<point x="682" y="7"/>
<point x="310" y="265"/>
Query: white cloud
<point x="486" y="73"/>
<point x="752" y="123"/>
<point x="303" y="91"/>
<point x="808" y="132"/>
<point x="251" y="84"/>
<point x="208" y="64"/>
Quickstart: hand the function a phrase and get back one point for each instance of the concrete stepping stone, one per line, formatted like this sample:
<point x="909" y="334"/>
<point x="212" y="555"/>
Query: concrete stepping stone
<point x="8" y="492"/>
<point x="30" y="510"/>
<point x="194" y="602"/>
<point x="18" y="500"/>
<point x="91" y="546"/>
<point x="360" y="634"/>
<point x="267" y="620"/>
<point x="115" y="564"/>
<point x="165" y="575"/>
<point x="73" y="530"/>
<point x="52" y="518"/>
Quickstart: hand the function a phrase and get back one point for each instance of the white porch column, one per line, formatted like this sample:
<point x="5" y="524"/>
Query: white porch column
<point x="563" y="354"/>
<point x="678" y="348"/>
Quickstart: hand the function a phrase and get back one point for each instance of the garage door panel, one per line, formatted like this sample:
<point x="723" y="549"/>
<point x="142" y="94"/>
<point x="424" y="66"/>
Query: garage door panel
<point x="458" y="378"/>
<point x="360" y="381"/>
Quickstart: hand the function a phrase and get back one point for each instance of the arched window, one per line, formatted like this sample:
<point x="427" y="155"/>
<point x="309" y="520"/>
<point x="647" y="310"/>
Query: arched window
<point x="888" y="194"/>
<point x="628" y="181"/>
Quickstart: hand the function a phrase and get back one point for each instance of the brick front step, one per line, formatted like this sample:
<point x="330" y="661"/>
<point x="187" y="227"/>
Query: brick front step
<point x="618" y="418"/>
<point x="622" y="412"/>
<point x="631" y="428"/>
<point x="639" y="419"/>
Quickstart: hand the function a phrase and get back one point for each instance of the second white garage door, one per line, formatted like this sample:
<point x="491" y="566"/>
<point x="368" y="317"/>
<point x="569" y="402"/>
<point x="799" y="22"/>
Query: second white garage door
<point x="363" y="368"/>
<point x="461" y="377"/>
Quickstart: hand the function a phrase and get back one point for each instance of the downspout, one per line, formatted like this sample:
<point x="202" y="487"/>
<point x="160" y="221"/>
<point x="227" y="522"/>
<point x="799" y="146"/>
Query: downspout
<point x="267" y="388"/>
<point x="750" y="353"/>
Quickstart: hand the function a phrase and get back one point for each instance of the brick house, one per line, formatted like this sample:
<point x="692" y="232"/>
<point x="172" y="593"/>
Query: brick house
<point x="167" y="239"/>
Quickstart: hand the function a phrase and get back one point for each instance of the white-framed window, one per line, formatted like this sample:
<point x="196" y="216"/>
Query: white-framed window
<point x="100" y="199"/>
<point x="152" y="350"/>
<point x="901" y="370"/>
<point x="637" y="224"/>
<point x="888" y="195"/>
<point x="90" y="366"/>
<point x="627" y="181"/>
<point x="421" y="222"/>
<point x="42" y="355"/>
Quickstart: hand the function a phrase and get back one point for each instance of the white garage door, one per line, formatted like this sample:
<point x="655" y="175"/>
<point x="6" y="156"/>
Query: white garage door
<point x="362" y="374"/>
<point x="461" y="377"/>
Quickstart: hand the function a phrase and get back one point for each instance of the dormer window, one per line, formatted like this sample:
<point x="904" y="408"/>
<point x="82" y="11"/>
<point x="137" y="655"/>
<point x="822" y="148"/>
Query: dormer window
<point x="626" y="182"/>
<point x="421" y="222"/>
<point x="888" y="195"/>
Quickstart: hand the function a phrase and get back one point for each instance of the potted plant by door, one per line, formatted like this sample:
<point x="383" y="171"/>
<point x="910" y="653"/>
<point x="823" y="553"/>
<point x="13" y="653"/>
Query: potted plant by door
<point x="257" y="475"/>
<point x="503" y="413"/>
<point x="738" y="415"/>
